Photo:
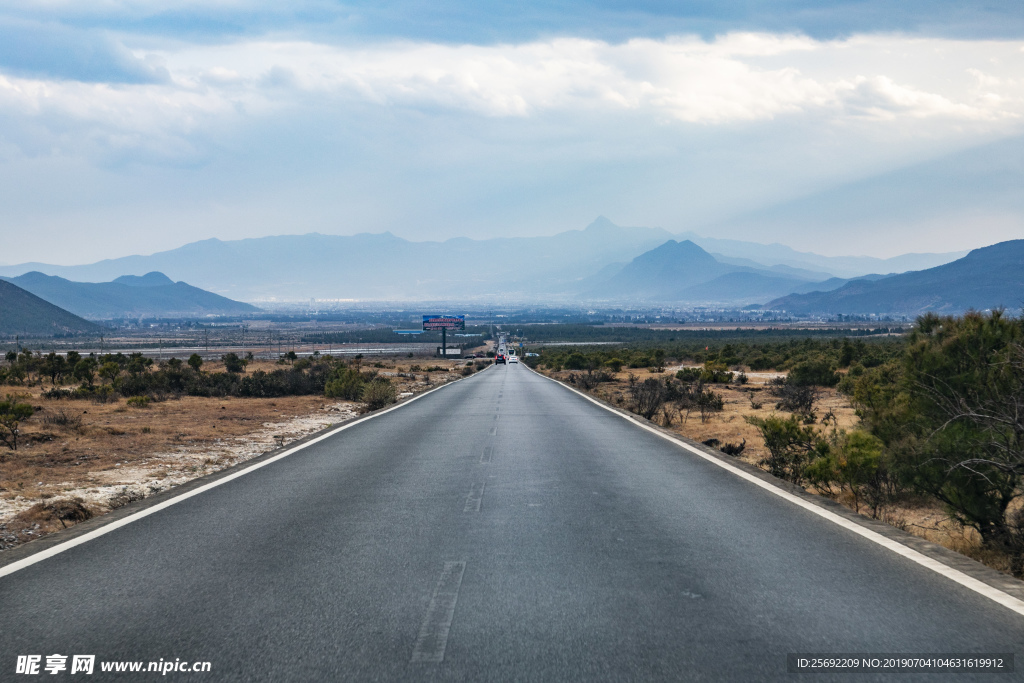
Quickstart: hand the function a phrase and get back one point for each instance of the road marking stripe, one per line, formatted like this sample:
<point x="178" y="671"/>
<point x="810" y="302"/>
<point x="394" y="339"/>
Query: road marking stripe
<point x="475" y="498"/>
<point x="990" y="592"/>
<point x="107" y="528"/>
<point x="486" y="457"/>
<point x="433" y="637"/>
<point x="494" y="431"/>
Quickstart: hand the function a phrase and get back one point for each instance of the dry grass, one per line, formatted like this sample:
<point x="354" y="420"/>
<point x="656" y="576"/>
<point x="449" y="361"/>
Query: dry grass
<point x="104" y="454"/>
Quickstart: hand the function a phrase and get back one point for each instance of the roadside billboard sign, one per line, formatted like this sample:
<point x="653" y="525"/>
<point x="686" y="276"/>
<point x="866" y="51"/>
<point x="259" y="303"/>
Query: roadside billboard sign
<point x="444" y="322"/>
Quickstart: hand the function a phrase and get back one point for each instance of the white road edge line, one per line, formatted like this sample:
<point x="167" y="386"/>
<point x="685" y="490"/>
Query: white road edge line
<point x="994" y="594"/>
<point x="107" y="528"/>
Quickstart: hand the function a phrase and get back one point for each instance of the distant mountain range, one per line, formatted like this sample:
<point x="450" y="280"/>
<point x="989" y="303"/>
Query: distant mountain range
<point x="683" y="272"/>
<point x="558" y="268"/>
<point x="151" y="295"/>
<point x="987" y="278"/>
<point x="23" y="313"/>
<point x="781" y="256"/>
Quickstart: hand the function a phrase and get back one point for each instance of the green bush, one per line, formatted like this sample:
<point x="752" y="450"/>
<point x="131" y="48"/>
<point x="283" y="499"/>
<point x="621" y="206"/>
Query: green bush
<point x="234" y="364"/>
<point x="12" y="414"/>
<point x="345" y="383"/>
<point x="816" y="372"/>
<point x="379" y="393"/>
<point x="138" y="402"/>
<point x="792" y="447"/>
<point x="852" y="464"/>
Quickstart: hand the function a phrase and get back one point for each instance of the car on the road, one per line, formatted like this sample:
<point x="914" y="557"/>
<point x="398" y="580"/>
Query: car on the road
<point x="498" y="358"/>
<point x="513" y="358"/>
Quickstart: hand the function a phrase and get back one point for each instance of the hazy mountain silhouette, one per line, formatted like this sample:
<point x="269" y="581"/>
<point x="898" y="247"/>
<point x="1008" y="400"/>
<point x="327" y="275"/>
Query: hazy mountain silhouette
<point x="779" y="257"/>
<point x="24" y="313"/>
<point x="382" y="266"/>
<point x="152" y="295"/>
<point x="990" y="277"/>
<point x="596" y="262"/>
<point x="682" y="272"/>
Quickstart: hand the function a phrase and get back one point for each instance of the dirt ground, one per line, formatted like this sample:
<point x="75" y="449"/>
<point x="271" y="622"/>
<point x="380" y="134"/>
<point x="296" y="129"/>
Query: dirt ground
<point x="107" y="454"/>
<point x="919" y="516"/>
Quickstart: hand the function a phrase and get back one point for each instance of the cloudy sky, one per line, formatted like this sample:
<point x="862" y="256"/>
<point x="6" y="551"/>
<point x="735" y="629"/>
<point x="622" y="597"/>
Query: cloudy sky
<point x="852" y="127"/>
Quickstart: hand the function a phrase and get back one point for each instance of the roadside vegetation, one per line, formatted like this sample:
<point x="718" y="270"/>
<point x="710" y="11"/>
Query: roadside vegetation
<point x="897" y="428"/>
<point x="80" y="435"/>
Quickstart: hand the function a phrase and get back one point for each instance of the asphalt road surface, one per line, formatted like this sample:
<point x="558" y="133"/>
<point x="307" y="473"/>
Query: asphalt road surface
<point x="500" y="528"/>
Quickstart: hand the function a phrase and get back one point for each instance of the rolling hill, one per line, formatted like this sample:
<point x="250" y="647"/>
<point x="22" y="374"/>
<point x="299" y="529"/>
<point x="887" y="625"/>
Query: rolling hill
<point x="150" y="295"/>
<point x="987" y="278"/>
<point x="24" y="313"/>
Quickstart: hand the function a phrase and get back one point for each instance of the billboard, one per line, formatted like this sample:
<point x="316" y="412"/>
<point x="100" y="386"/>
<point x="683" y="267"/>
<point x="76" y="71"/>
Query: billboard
<point x="444" y="322"/>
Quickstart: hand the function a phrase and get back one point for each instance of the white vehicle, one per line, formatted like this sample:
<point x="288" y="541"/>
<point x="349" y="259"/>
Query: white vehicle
<point x="513" y="358"/>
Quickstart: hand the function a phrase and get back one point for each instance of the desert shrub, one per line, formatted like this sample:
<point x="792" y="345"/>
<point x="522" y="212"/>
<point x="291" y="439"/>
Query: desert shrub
<point x="851" y="464"/>
<point x="138" y="402"/>
<point x="103" y="394"/>
<point x="708" y="403"/>
<point x="124" y="497"/>
<point x="816" y="372"/>
<point x="346" y="383"/>
<point x="715" y="372"/>
<point x="791" y="446"/>
<point x="647" y="396"/>
<point x="64" y="420"/>
<point x="379" y="393"/>
<point x="234" y="364"/>
<point x="589" y="379"/>
<point x="12" y="413"/>
<point x="468" y="370"/>
<point x="57" y="394"/>
<point x="794" y="398"/>
<point x="733" y="449"/>
<point x="576" y="361"/>
<point x="68" y="510"/>
<point x="688" y="374"/>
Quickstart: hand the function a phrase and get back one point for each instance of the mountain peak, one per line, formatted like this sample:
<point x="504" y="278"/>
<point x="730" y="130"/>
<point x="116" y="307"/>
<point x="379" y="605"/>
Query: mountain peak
<point x="153" y="279"/>
<point x="601" y="224"/>
<point x="676" y="254"/>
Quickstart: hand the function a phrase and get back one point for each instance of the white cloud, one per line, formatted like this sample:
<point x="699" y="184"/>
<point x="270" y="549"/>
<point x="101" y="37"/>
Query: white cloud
<point x="685" y="79"/>
<point x="736" y="78"/>
<point x="282" y="136"/>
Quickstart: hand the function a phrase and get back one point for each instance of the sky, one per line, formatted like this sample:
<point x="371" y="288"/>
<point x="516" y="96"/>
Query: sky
<point x="862" y="127"/>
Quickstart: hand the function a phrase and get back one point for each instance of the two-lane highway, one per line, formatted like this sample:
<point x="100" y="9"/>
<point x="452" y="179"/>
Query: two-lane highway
<point x="501" y="528"/>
